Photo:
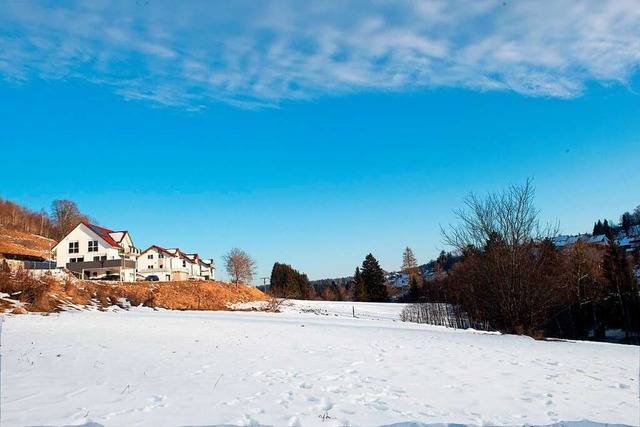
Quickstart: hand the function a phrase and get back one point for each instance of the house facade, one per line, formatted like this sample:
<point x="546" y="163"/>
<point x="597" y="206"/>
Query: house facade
<point x="204" y="269"/>
<point x="94" y="252"/>
<point x="171" y="264"/>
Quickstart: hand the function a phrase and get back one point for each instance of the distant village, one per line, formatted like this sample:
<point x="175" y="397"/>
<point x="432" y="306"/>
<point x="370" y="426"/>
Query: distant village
<point x="629" y="241"/>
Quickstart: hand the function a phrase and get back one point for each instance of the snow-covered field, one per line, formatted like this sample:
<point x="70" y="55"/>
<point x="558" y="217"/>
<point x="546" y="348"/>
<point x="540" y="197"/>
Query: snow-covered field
<point x="313" y="364"/>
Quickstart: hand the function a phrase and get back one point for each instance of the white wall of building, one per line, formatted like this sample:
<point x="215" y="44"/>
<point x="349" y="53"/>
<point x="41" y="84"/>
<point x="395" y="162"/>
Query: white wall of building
<point x="82" y="235"/>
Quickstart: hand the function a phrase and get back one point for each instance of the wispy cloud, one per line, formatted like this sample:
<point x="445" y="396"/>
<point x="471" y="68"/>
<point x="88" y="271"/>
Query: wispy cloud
<point x="189" y="54"/>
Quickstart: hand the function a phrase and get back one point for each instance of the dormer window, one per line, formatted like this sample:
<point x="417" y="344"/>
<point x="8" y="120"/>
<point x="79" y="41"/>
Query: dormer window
<point x="93" y="246"/>
<point x="74" y="247"/>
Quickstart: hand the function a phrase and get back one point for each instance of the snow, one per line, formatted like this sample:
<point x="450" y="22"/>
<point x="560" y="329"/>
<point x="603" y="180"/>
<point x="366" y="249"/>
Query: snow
<point x="312" y="364"/>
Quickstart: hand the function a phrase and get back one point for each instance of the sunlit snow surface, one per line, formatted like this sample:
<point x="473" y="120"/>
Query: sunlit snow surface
<point x="313" y="364"/>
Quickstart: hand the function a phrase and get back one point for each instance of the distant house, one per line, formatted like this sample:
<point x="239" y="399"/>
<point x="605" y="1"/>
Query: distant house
<point x="629" y="244"/>
<point x="398" y="280"/>
<point x="205" y="268"/>
<point x="566" y="241"/>
<point x="94" y="252"/>
<point x="174" y="265"/>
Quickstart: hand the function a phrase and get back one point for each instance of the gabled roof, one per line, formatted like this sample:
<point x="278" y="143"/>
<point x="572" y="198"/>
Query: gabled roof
<point x="177" y="252"/>
<point x="159" y="249"/>
<point x="562" y="241"/>
<point x="103" y="233"/>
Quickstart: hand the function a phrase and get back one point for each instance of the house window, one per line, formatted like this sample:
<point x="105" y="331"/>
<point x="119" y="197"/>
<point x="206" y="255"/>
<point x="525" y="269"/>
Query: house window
<point x="161" y="266"/>
<point x="93" y="246"/>
<point x="150" y="267"/>
<point x="150" y="256"/>
<point x="184" y="263"/>
<point x="74" y="247"/>
<point x="160" y="255"/>
<point x="79" y="259"/>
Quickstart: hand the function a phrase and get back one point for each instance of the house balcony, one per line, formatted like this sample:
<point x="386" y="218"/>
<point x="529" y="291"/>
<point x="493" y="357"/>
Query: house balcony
<point x="111" y="264"/>
<point x="166" y="270"/>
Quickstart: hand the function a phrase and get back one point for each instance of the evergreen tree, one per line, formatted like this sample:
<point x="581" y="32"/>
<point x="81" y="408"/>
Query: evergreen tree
<point x="289" y="283"/>
<point x="619" y="272"/>
<point x="360" y="293"/>
<point x="625" y="221"/>
<point x="336" y="290"/>
<point x="598" y="228"/>
<point x="373" y="278"/>
<point x="608" y="231"/>
<point x="414" y="290"/>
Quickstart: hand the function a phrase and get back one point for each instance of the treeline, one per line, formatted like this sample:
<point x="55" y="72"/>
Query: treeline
<point x="286" y="282"/>
<point x="368" y="284"/>
<point x="64" y="216"/>
<point x="510" y="277"/>
<point x="627" y="221"/>
<point x="19" y="218"/>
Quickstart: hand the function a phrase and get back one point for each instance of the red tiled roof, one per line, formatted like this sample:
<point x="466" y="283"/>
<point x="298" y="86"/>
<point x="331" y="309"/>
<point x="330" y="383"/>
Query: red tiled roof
<point x="103" y="233"/>
<point x="160" y="248"/>
<point x="177" y="252"/>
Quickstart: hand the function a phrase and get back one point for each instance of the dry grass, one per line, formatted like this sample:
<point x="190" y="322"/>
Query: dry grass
<point x="48" y="294"/>
<point x="16" y="242"/>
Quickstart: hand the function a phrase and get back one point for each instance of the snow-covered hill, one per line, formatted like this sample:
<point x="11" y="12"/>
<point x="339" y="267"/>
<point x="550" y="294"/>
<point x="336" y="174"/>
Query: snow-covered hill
<point x="313" y="364"/>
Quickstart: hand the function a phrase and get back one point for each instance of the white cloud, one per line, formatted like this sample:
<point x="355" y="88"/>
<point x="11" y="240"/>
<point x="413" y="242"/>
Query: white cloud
<point x="188" y="54"/>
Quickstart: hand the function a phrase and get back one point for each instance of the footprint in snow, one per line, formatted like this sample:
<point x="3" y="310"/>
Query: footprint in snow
<point x="326" y="404"/>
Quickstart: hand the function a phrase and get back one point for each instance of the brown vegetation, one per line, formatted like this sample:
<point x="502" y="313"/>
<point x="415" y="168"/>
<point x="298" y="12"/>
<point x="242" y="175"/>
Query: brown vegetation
<point x="65" y="215"/>
<point x="48" y="294"/>
<point x="19" y="218"/>
<point x="20" y="243"/>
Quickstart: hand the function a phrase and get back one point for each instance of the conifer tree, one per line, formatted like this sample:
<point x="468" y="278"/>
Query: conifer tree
<point x="360" y="293"/>
<point x="598" y="228"/>
<point x="409" y="262"/>
<point x="414" y="290"/>
<point x="626" y="221"/>
<point x="289" y="283"/>
<point x="373" y="278"/>
<point x="608" y="230"/>
<point x="619" y="272"/>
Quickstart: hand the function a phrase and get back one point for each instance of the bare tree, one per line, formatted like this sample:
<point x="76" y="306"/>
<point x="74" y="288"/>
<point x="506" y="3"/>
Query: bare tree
<point x="508" y="275"/>
<point x="509" y="215"/>
<point x="409" y="262"/>
<point x="240" y="266"/>
<point x="66" y="216"/>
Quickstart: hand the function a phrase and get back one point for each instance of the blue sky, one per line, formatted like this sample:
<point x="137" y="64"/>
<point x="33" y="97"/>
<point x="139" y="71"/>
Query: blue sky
<point x="314" y="136"/>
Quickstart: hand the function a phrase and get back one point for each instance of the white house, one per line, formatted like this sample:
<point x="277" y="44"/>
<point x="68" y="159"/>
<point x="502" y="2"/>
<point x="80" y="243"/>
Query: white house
<point x="205" y="268"/>
<point x="398" y="280"/>
<point x="94" y="252"/>
<point x="174" y="265"/>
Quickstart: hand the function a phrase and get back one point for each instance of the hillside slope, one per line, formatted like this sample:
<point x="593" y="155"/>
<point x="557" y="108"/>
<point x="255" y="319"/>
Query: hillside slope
<point x="17" y="242"/>
<point x="23" y="291"/>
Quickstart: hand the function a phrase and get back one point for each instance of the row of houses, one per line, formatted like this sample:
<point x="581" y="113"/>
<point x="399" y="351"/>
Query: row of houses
<point x="94" y="252"/>
<point x="629" y="242"/>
